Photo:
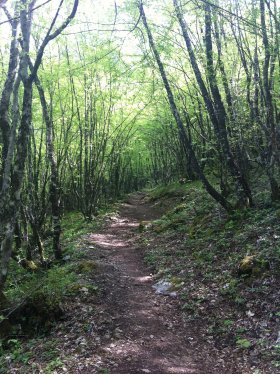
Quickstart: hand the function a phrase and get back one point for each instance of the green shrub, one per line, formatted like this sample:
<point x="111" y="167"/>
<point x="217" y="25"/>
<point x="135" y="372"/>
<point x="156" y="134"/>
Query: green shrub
<point x="54" y="285"/>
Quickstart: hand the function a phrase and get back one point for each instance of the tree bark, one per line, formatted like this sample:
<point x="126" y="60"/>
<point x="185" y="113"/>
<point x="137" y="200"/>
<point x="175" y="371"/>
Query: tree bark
<point x="182" y="133"/>
<point x="272" y="148"/>
<point x="8" y="214"/>
<point x="216" y="108"/>
<point x="54" y="181"/>
<point x="7" y="92"/>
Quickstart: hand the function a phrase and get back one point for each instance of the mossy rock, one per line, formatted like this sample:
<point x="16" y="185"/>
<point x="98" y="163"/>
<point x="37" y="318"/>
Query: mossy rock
<point x="76" y="288"/>
<point x="144" y="225"/>
<point x="87" y="266"/>
<point x="29" y="265"/>
<point x="252" y="265"/>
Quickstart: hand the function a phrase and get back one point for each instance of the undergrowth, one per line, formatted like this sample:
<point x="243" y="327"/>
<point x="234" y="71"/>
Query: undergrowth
<point x="37" y="298"/>
<point x="198" y="244"/>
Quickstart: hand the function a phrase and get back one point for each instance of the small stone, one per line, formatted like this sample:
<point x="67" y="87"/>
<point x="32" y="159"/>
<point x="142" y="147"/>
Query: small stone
<point x="173" y="294"/>
<point x="163" y="287"/>
<point x="250" y="314"/>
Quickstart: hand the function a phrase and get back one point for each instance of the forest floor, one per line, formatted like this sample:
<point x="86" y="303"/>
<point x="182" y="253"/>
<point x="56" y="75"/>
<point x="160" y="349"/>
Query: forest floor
<point x="115" y="322"/>
<point x="134" y="330"/>
<point x="151" y="336"/>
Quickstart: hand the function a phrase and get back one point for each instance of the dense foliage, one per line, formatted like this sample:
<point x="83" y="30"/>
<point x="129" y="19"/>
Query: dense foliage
<point x="97" y="102"/>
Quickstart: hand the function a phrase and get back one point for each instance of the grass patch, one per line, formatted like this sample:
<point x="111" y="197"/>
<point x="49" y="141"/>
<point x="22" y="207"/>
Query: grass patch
<point x="173" y="190"/>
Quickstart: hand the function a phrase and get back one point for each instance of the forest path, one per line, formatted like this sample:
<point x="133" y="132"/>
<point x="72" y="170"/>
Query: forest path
<point x="143" y="332"/>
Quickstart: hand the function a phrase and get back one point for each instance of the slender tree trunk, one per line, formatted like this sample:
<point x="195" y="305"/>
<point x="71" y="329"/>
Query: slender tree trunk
<point x="272" y="154"/>
<point x="183" y="136"/>
<point x="54" y="181"/>
<point x="216" y="110"/>
<point x="9" y="212"/>
<point x="6" y="95"/>
<point x="223" y="71"/>
<point x="8" y="137"/>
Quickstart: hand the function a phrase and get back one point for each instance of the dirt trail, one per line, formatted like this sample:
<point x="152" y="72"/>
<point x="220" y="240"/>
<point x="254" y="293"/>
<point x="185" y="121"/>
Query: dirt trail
<point x="148" y="333"/>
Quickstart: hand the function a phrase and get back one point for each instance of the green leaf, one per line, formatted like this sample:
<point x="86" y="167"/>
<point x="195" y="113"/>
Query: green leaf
<point x="228" y="322"/>
<point x="243" y="343"/>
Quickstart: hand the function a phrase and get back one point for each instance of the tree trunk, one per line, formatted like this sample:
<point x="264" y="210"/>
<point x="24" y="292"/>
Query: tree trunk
<point x="215" y="109"/>
<point x="182" y="133"/>
<point x="11" y="199"/>
<point x="54" y="181"/>
<point x="272" y="147"/>
<point x="6" y="94"/>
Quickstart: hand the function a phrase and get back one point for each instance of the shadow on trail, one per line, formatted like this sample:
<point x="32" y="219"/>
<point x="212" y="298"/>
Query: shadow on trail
<point x="151" y="336"/>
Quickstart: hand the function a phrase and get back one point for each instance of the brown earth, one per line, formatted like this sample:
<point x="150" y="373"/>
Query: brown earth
<point x="126" y="328"/>
<point x="145" y="332"/>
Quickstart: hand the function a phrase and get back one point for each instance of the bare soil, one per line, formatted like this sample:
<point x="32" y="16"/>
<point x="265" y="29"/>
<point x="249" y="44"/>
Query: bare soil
<point x="126" y="328"/>
<point x="143" y="332"/>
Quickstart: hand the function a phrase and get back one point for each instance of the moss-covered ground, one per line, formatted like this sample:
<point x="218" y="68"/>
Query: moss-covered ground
<point x="199" y="248"/>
